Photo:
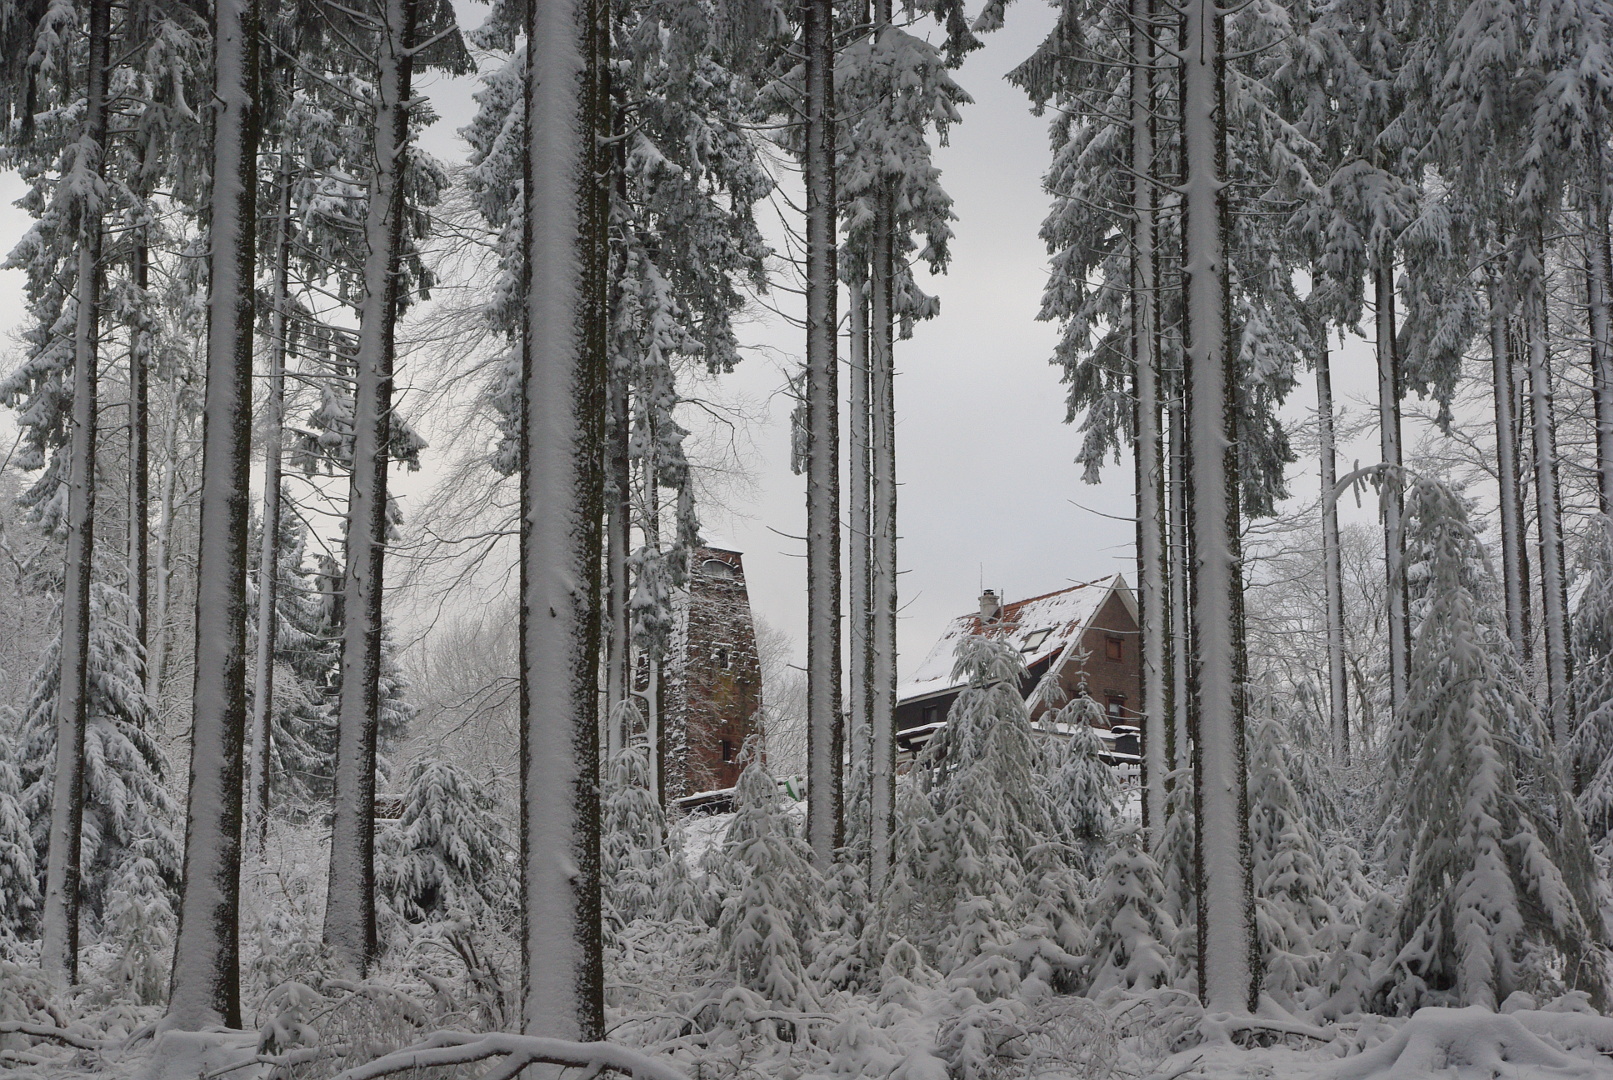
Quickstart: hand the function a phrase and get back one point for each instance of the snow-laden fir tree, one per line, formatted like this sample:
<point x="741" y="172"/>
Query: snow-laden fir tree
<point x="1499" y="893"/>
<point x="892" y="89"/>
<point x="989" y="813"/>
<point x="768" y="919"/>
<point x="1291" y="905"/>
<point x="448" y="855"/>
<point x="130" y="845"/>
<point x="19" y="886"/>
<point x="307" y="650"/>
<point x="1081" y="798"/>
<point x="138" y="925"/>
<point x="206" y="983"/>
<point x="1592" y="743"/>
<point x="1132" y="933"/>
<point x="684" y="250"/>
<point x="904" y="910"/>
<point x="304" y="658"/>
<point x="634" y="852"/>
<point x="1081" y="790"/>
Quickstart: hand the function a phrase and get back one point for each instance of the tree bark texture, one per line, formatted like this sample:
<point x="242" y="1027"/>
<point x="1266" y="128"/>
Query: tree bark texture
<point x="1599" y="297"/>
<point x="825" y="725"/>
<point x="1338" y="687"/>
<point x="1179" y="735"/>
<point x="162" y="542"/>
<point x="859" y="560"/>
<point x="1549" y="518"/>
<point x="1514" y="577"/>
<point x="1391" y="490"/>
<point x="350" y="895"/>
<point x="1152" y="587"/>
<point x="1228" y="960"/>
<point x="140" y="451"/>
<point x="618" y="540"/>
<point x="58" y="946"/>
<point x="257" y="813"/>
<point x="562" y="501"/>
<point x="206" y="989"/>
<point x="882" y="401"/>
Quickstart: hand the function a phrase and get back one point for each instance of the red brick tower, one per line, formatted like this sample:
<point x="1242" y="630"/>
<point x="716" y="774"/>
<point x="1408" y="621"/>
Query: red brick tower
<point x="715" y="703"/>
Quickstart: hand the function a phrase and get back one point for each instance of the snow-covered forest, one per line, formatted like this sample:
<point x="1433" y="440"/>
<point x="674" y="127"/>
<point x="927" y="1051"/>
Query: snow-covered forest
<point x="355" y="491"/>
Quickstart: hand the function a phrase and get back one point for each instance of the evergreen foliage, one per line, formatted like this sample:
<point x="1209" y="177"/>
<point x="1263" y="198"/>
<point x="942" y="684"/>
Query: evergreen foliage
<point x="989" y="813"/>
<point x="1081" y="789"/>
<point x="1498" y="893"/>
<point x="447" y="855"/>
<point x="1292" y="908"/>
<point x="130" y="850"/>
<point x="768" y="918"/>
<point x="634" y="852"/>
<point x="19" y="884"/>
<point x="1592" y="742"/>
<point x="1132" y="932"/>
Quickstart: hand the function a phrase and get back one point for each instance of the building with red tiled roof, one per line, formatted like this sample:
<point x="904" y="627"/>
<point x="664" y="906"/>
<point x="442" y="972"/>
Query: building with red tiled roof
<point x="1082" y="637"/>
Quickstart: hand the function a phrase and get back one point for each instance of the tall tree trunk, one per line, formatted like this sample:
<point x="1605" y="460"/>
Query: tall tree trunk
<point x="859" y="561"/>
<point x="1522" y="417"/>
<point x="1514" y="576"/>
<point x="562" y="495"/>
<point x="162" y="554"/>
<point x="1152" y="587"/>
<point x="1599" y="282"/>
<point x="257" y="815"/>
<point x="58" y="946"/>
<point x="882" y="402"/>
<point x="140" y="337"/>
<point x="1338" y="687"/>
<point x="1391" y="491"/>
<point x="350" y="896"/>
<point x="206" y="985"/>
<point x="618" y="538"/>
<point x="654" y="685"/>
<point x="619" y="472"/>
<point x="1553" y="573"/>
<point x="140" y="450"/>
<point x="825" y="725"/>
<point x="1228" y="961"/>
<point x="1179" y="734"/>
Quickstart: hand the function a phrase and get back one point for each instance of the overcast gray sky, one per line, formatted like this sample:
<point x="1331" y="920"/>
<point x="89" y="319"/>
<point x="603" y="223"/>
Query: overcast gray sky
<point x="985" y="461"/>
<point x="988" y="487"/>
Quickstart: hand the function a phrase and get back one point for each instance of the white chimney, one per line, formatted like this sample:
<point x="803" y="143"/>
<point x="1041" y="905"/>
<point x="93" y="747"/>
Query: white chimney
<point x="989" y="606"/>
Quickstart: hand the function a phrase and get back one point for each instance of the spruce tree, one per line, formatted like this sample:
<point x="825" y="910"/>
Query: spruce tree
<point x="768" y="920"/>
<point x="1498" y="894"/>
<point x="1132" y="932"/>
<point x="989" y="809"/>
<point x="1592" y="743"/>
<point x="447" y="855"/>
<point x="206" y="986"/>
<point x="129" y="848"/>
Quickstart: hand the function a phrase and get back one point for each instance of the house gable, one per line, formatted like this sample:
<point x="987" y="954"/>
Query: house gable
<point x="1071" y="631"/>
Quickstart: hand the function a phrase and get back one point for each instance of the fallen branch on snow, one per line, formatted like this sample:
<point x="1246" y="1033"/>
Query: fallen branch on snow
<point x="462" y="1048"/>
<point x="45" y="1031"/>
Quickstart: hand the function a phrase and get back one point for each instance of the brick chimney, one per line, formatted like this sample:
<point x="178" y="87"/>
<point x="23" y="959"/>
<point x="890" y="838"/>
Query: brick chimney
<point x="989" y="606"/>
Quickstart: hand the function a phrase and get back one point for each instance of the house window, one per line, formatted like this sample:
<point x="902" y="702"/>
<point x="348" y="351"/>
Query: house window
<point x="932" y="714"/>
<point x="716" y="568"/>
<point x="727" y="750"/>
<point x="722" y="662"/>
<point x="1117" y="708"/>
<point x="1034" y="640"/>
<point x="1117" y="649"/>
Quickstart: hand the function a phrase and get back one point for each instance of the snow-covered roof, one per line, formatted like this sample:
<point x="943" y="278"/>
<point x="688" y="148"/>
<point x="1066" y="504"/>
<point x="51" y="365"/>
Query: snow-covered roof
<point x="1039" y="628"/>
